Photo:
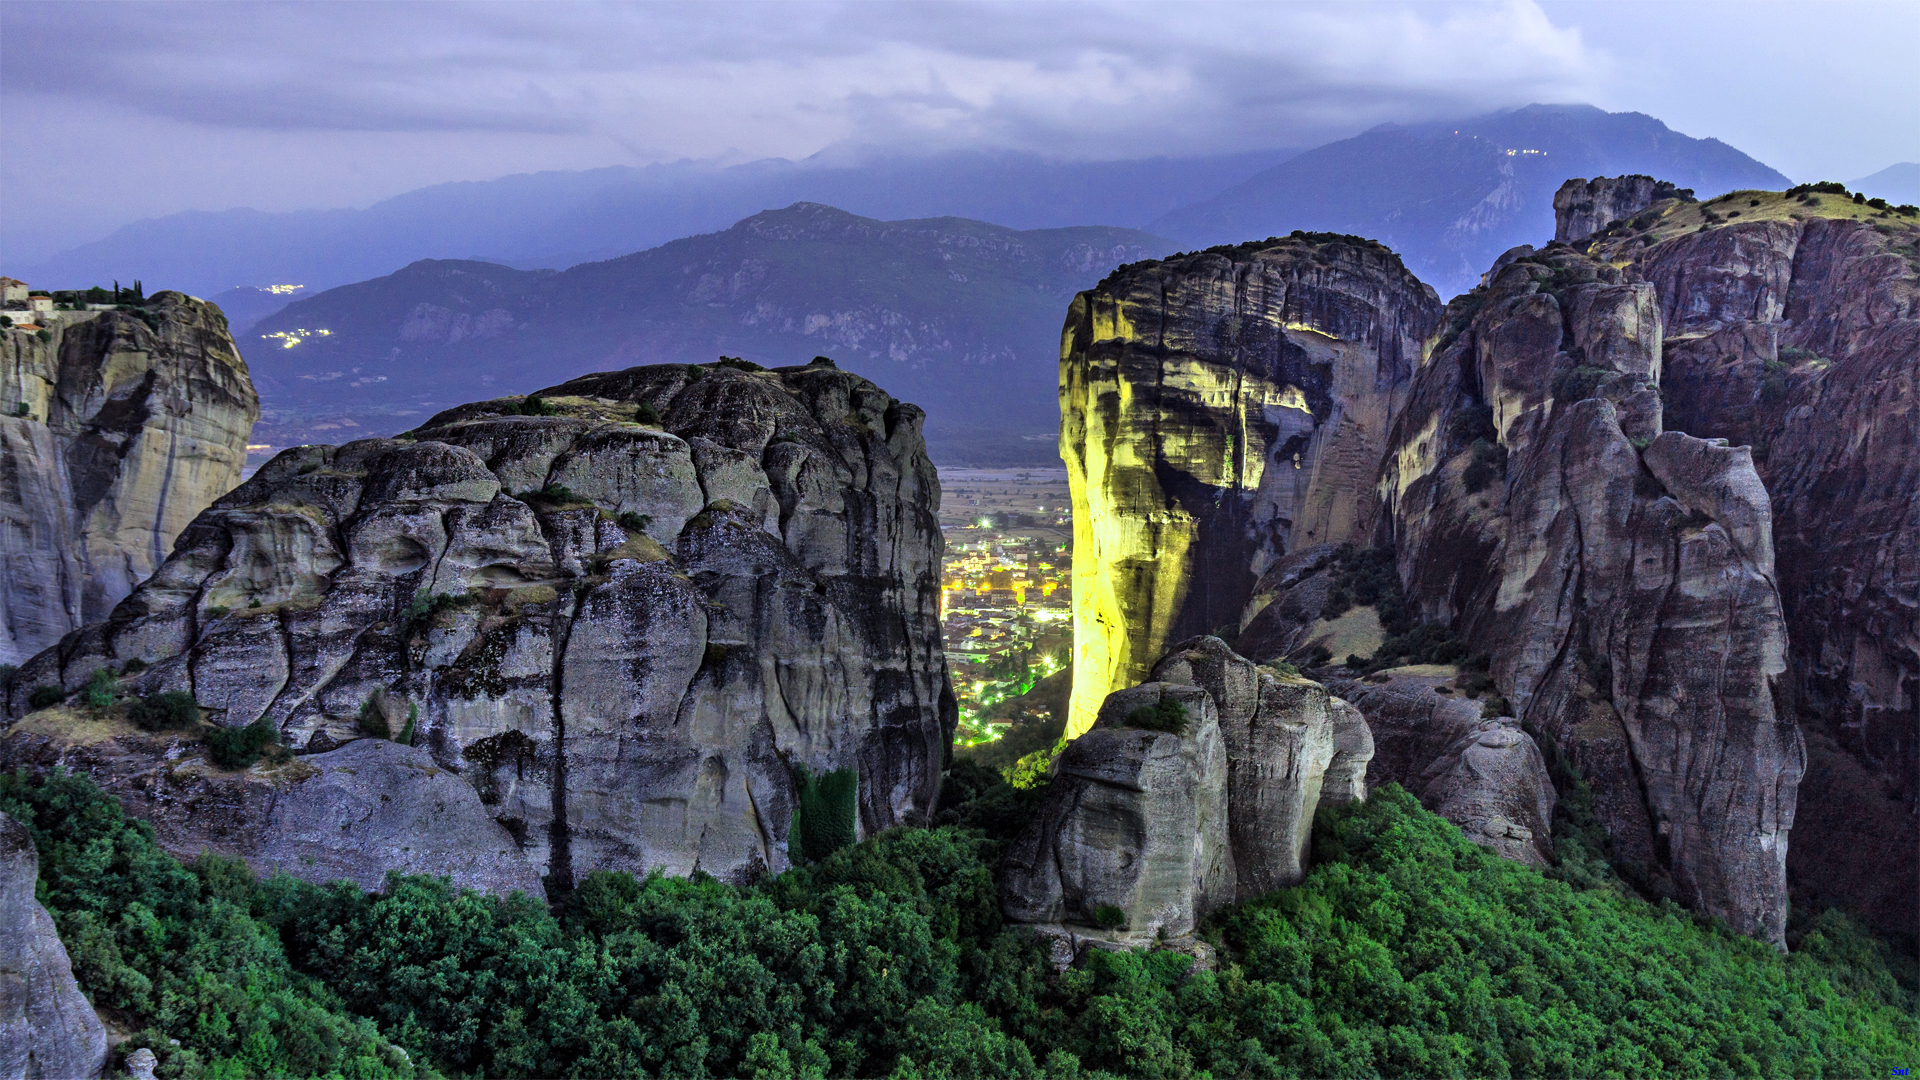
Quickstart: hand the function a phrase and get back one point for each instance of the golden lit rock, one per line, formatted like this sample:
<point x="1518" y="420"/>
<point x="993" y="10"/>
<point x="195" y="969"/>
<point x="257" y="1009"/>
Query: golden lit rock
<point x="1217" y="409"/>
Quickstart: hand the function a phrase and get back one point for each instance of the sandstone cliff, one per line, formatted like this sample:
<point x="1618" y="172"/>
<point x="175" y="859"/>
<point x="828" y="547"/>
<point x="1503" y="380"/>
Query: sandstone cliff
<point x="1216" y="410"/>
<point x="1792" y="325"/>
<point x="47" y="1027"/>
<point x="1619" y="575"/>
<point x="1584" y="482"/>
<point x="119" y="428"/>
<point x="621" y="611"/>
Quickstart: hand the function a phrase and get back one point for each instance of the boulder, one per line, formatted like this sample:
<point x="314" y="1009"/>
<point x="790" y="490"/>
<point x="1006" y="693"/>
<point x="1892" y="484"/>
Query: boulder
<point x="1283" y="736"/>
<point x="1131" y="843"/>
<point x="375" y="806"/>
<point x="1479" y="771"/>
<point x="1144" y="831"/>
<point x="47" y="1027"/>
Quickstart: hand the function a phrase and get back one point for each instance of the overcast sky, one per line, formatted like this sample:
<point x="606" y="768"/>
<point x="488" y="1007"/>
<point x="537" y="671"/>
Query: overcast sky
<point x="117" y="111"/>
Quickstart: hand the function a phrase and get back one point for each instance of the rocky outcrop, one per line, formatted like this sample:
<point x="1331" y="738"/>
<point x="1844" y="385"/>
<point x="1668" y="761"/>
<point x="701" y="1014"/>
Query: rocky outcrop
<point x="1792" y="325"/>
<point x="1217" y="410"/>
<point x="1284" y="736"/>
<point x="1620" y="575"/>
<point x="1584" y="207"/>
<point x="1476" y="769"/>
<point x="120" y="426"/>
<point x="47" y="1028"/>
<point x="1586" y="480"/>
<point x="1131" y="841"/>
<point x="353" y="813"/>
<point x="621" y="612"/>
<point x="1144" y="830"/>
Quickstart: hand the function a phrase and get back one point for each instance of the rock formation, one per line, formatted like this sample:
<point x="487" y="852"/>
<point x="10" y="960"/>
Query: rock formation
<point x="1216" y="410"/>
<point x="1584" y="207"/>
<point x="621" y="611"/>
<point x="1590" y="462"/>
<point x="1132" y="837"/>
<point x="1285" y="736"/>
<point x="47" y="1027"/>
<point x="1479" y="771"/>
<point x="1793" y="325"/>
<point x="119" y="428"/>
<point x="356" y="812"/>
<point x="1620" y="575"/>
<point x="1144" y="830"/>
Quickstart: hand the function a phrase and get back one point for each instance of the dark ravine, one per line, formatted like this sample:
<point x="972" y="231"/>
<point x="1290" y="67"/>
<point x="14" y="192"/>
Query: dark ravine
<point x="619" y="613"/>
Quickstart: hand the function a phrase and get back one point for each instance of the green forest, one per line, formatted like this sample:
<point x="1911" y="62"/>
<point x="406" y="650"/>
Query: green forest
<point x="1407" y="952"/>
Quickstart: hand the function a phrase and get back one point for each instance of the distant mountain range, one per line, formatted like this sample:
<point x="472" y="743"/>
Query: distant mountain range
<point x="1451" y="196"/>
<point x="1896" y="183"/>
<point x="558" y="219"/>
<point x="959" y="316"/>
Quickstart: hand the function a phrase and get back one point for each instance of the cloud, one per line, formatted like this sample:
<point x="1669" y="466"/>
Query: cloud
<point x="1085" y="79"/>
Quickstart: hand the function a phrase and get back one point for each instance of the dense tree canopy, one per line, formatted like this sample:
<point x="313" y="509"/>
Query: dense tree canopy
<point x="1407" y="952"/>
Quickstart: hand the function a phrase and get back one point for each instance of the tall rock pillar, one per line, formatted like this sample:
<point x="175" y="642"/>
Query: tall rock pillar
<point x="1216" y="410"/>
<point x="121" y="427"/>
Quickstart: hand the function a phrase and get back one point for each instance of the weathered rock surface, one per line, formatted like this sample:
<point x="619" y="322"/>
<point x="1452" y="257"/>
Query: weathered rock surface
<point x="1135" y="822"/>
<point x="119" y="429"/>
<point x="1794" y="328"/>
<point x="1621" y="576"/>
<point x="1481" y="772"/>
<point x="356" y="812"/>
<point x="1163" y="828"/>
<point x="1283" y="736"/>
<point x="1217" y="410"/>
<point x="1584" y="207"/>
<point x="1544" y="505"/>
<point x="623" y="662"/>
<point x="47" y="1027"/>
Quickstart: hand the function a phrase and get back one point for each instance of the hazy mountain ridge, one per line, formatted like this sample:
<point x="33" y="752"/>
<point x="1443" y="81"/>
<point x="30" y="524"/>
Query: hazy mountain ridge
<point x="1451" y="196"/>
<point x="913" y="302"/>
<point x="555" y="219"/>
<point x="1897" y="183"/>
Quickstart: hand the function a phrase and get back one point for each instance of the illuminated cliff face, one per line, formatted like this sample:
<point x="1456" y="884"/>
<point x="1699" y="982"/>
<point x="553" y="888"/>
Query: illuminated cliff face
<point x="1216" y="409"/>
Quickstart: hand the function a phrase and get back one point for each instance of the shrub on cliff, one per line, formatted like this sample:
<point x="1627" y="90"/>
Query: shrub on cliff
<point x="239" y="748"/>
<point x="824" y="821"/>
<point x="102" y="690"/>
<point x="173" y="710"/>
<point x="1169" y="716"/>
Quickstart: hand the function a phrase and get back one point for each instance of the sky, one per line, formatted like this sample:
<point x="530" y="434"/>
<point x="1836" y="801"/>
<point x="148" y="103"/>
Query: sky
<point x="118" y="111"/>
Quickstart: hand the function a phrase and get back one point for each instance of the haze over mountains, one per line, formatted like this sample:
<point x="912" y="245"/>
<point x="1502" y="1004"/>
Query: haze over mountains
<point x="959" y="315"/>
<point x="1447" y="195"/>
<point x="1896" y="183"/>
<point x="860" y="266"/>
<point x="1450" y="196"/>
<point x="557" y="219"/>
